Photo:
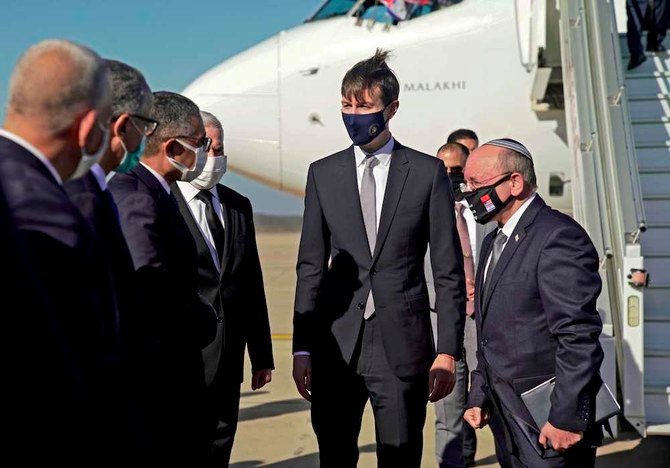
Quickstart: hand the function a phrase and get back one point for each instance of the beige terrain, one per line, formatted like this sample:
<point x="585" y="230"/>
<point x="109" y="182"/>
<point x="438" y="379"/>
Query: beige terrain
<point x="275" y="428"/>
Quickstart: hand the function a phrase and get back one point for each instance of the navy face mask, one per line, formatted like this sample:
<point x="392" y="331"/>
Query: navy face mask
<point x="363" y="128"/>
<point x="485" y="202"/>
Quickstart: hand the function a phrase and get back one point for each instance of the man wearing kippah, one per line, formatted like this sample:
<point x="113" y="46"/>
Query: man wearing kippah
<point x="535" y="307"/>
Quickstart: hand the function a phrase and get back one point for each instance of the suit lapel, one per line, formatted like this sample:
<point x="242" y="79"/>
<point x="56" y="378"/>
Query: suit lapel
<point x="513" y="243"/>
<point x="481" y="267"/>
<point x="398" y="171"/>
<point x="347" y="190"/>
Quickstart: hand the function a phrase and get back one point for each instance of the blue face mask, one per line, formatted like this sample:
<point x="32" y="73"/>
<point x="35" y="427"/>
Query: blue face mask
<point x="131" y="158"/>
<point x="363" y="128"/>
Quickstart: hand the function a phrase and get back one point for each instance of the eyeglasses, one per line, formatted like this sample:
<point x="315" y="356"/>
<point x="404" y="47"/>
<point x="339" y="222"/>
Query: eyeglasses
<point x="144" y="125"/>
<point x="205" y="142"/>
<point x="470" y="188"/>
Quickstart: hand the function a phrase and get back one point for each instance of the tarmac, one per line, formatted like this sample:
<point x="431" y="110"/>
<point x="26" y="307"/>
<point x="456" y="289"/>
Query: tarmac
<point x="275" y="430"/>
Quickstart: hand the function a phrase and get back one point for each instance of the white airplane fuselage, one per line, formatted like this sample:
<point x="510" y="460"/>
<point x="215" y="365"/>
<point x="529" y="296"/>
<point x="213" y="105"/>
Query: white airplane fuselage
<point x="458" y="67"/>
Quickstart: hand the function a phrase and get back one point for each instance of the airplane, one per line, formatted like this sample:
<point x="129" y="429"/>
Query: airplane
<point x="465" y="65"/>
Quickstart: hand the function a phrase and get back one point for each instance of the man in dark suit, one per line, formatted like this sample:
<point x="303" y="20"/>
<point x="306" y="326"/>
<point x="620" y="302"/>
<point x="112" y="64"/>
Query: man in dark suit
<point x="176" y="321"/>
<point x="131" y="104"/>
<point x="230" y="278"/>
<point x="57" y="117"/>
<point x="362" y="318"/>
<point x="535" y="307"/>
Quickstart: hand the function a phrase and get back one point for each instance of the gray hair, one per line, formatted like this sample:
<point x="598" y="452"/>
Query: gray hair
<point x="512" y="161"/>
<point x="176" y="114"/>
<point x="130" y="92"/>
<point x="55" y="81"/>
<point x="210" y="120"/>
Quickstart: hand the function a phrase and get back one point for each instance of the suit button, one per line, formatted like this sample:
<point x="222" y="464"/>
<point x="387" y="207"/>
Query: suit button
<point x="361" y="306"/>
<point x="373" y="272"/>
<point x="484" y="342"/>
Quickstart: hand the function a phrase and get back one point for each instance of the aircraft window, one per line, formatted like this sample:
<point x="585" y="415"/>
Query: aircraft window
<point x="381" y="11"/>
<point x="333" y="8"/>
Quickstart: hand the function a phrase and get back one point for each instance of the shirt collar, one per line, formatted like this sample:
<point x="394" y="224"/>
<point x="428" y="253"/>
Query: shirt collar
<point x="35" y="152"/>
<point x="100" y="176"/>
<point x="159" y="177"/>
<point x="190" y="192"/>
<point x="383" y="153"/>
<point x="510" y="225"/>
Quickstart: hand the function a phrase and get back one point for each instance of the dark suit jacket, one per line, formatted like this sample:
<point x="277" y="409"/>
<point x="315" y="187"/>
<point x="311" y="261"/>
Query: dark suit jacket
<point x="539" y="319"/>
<point x="177" y="323"/>
<point x="71" y="330"/>
<point x="101" y="213"/>
<point x="236" y="291"/>
<point x="418" y="208"/>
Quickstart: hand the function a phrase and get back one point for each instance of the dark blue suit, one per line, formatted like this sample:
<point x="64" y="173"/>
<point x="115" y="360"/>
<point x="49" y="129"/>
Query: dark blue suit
<point x="73" y="340"/>
<point x="537" y="320"/>
<point x="100" y="211"/>
<point x="176" y="322"/>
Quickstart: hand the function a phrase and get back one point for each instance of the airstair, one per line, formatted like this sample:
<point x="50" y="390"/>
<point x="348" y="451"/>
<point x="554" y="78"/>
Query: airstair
<point x="619" y="134"/>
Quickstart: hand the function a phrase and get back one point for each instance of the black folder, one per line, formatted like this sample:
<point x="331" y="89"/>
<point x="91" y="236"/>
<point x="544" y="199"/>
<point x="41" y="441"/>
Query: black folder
<point x="538" y="402"/>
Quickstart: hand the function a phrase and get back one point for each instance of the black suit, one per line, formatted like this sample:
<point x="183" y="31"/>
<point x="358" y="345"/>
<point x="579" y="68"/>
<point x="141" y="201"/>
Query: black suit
<point x="236" y="291"/>
<point x="100" y="211"/>
<point x="69" y="398"/>
<point x="537" y="320"/>
<point x="387" y="357"/>
<point x="175" y="321"/>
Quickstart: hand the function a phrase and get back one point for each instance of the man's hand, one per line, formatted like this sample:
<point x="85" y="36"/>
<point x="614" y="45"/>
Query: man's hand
<point x="559" y="439"/>
<point x="441" y="378"/>
<point x="476" y="417"/>
<point x="260" y="378"/>
<point x="470" y="288"/>
<point x="302" y="376"/>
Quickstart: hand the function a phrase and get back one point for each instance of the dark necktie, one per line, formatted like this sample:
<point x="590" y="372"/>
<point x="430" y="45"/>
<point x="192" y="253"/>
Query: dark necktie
<point x="468" y="261"/>
<point x="213" y="221"/>
<point x="498" y="245"/>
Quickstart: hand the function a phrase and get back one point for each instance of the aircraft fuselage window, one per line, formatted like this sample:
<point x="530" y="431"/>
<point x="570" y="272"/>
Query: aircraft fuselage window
<point x="381" y="11"/>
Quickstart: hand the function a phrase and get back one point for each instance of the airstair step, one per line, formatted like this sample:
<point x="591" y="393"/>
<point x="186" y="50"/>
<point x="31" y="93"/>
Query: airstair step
<point x="648" y="86"/>
<point x="657" y="353"/>
<point x="655" y="183"/>
<point x="656" y="367"/>
<point x="651" y="121"/>
<point x="657" y="405"/>
<point x="649" y="97"/>
<point x="656" y="211"/>
<point x="652" y="144"/>
<point x="657" y="390"/>
<point x="635" y="75"/>
<point x="655" y="170"/>
<point x="656" y="197"/>
<point x="649" y="159"/>
<point x="649" y="109"/>
<point x="656" y="335"/>
<point x="658" y="429"/>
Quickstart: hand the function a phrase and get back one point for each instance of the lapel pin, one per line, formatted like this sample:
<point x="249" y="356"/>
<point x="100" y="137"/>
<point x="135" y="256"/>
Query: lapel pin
<point x="516" y="238"/>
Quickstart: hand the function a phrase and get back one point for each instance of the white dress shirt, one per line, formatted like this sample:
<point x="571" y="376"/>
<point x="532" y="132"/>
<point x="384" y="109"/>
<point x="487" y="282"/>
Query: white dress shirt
<point x="469" y="217"/>
<point x="509" y="227"/>
<point x="34" y="151"/>
<point x="100" y="176"/>
<point x="197" y="208"/>
<point x="380" y="172"/>
<point x="159" y="177"/>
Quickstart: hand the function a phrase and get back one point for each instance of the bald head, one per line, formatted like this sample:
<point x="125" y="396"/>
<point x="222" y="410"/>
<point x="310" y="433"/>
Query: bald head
<point x="55" y="82"/>
<point x="488" y="162"/>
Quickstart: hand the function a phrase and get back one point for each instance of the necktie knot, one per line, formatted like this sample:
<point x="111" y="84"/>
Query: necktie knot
<point x="501" y="238"/>
<point x="371" y="161"/>
<point x="204" y="196"/>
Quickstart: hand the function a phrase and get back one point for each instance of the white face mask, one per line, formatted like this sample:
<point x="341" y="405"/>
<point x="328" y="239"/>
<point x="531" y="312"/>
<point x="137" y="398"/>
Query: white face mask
<point x="214" y="169"/>
<point x="188" y="174"/>
<point x="87" y="160"/>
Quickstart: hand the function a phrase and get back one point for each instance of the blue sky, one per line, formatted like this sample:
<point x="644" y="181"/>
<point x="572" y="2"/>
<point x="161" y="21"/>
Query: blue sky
<point x="171" y="42"/>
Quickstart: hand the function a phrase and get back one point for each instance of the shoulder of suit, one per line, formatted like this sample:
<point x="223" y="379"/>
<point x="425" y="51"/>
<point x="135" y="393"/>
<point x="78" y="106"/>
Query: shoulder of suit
<point x="553" y="220"/>
<point x="125" y="185"/>
<point x="332" y="159"/>
<point x="233" y="197"/>
<point x="421" y="159"/>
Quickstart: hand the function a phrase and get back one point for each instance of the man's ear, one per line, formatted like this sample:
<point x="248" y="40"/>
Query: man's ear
<point x="392" y="109"/>
<point x="173" y="148"/>
<point x="517" y="184"/>
<point x="86" y="123"/>
<point x="120" y="125"/>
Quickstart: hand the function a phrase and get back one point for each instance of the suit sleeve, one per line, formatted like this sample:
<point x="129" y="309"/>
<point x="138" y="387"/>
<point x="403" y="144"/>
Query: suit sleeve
<point x="257" y="325"/>
<point x="312" y="265"/>
<point x="446" y="259"/>
<point x="569" y="285"/>
<point x="477" y="396"/>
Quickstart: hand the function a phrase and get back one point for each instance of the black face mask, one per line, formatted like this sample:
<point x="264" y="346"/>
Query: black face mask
<point x="485" y="203"/>
<point x="456" y="179"/>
